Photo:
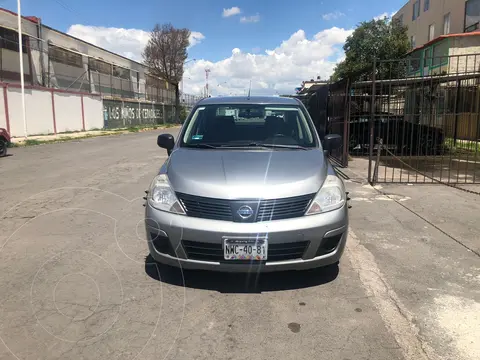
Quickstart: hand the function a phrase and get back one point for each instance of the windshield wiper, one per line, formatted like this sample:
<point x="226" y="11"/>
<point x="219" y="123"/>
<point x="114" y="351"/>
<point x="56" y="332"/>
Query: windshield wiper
<point x="202" y="146"/>
<point x="273" y="146"/>
<point x="280" y="146"/>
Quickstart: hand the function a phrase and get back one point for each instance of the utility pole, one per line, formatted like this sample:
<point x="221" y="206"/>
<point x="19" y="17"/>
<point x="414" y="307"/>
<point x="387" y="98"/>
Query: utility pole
<point x="183" y="77"/>
<point x="20" y="55"/>
<point x="207" y="71"/>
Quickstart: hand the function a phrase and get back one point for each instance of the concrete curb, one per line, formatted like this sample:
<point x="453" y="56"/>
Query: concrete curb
<point x="20" y="141"/>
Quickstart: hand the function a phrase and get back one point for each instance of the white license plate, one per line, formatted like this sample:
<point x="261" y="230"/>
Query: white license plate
<point x="245" y="249"/>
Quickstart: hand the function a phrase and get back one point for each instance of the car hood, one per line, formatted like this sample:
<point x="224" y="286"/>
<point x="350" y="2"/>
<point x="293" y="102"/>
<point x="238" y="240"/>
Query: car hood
<point x="234" y="174"/>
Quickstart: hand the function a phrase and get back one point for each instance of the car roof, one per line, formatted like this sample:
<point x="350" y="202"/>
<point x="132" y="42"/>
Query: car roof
<point x="270" y="100"/>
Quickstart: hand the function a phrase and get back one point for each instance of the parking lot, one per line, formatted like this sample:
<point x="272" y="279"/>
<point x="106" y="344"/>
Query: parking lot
<point x="77" y="282"/>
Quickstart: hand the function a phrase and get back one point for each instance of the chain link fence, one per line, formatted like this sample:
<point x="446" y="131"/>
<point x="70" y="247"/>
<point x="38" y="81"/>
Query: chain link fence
<point x="131" y="96"/>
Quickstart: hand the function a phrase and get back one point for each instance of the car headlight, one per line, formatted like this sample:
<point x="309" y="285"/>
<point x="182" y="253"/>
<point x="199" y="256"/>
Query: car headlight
<point x="330" y="197"/>
<point x="162" y="197"/>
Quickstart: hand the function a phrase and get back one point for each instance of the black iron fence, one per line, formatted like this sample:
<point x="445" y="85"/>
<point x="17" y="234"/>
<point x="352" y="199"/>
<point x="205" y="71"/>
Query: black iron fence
<point x="422" y="127"/>
<point x="338" y="119"/>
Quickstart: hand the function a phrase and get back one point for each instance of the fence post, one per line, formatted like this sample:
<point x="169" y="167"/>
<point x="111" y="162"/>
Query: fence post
<point x="111" y="83"/>
<point x="457" y="105"/>
<point x="121" y="114"/>
<point x="375" y="171"/>
<point x="372" y="121"/>
<point x="346" y="124"/>
<point x="48" y="72"/>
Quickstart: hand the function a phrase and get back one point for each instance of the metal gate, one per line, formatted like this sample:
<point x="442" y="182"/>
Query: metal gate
<point x="413" y="124"/>
<point x="338" y="119"/>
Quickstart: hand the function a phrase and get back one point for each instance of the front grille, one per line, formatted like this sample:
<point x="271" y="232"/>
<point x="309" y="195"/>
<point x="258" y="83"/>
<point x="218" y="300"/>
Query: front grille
<point x="206" y="208"/>
<point x="220" y="209"/>
<point x="214" y="252"/>
<point x="203" y="251"/>
<point x="283" y="208"/>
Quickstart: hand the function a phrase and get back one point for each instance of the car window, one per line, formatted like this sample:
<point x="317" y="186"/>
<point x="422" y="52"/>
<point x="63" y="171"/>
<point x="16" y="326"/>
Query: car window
<point x="230" y="124"/>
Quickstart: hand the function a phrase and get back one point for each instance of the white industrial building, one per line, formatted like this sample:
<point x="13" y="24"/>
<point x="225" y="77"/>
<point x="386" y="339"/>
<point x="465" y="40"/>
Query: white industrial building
<point x="56" y="59"/>
<point x="72" y="85"/>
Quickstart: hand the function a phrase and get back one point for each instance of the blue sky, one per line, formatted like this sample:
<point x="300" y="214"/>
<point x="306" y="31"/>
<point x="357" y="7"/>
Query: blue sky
<point x="272" y="22"/>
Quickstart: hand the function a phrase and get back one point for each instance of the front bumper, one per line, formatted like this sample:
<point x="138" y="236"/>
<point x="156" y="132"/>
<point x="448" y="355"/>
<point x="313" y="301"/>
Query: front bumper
<point x="324" y="234"/>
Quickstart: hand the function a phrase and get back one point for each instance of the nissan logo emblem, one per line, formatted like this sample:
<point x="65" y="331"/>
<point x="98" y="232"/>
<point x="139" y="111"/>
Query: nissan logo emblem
<point x="245" y="212"/>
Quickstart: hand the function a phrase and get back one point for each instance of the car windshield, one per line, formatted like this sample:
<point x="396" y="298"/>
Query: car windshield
<point x="238" y="125"/>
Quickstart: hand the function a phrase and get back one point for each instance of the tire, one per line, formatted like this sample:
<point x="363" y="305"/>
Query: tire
<point x="3" y="148"/>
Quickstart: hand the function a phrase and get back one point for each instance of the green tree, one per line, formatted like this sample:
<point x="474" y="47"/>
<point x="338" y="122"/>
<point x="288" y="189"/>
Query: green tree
<point x="382" y="39"/>
<point x="183" y="113"/>
<point x="165" y="54"/>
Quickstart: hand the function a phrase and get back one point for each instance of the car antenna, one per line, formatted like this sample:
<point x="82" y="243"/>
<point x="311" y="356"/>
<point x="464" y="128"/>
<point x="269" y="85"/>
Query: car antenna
<point x="249" y="89"/>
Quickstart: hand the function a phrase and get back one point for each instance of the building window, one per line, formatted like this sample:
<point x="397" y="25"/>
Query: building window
<point x="412" y="41"/>
<point x="426" y="5"/>
<point x="121" y="72"/>
<point x="431" y="32"/>
<point x="446" y="24"/>
<point x="9" y="40"/>
<point x="100" y="66"/>
<point x="155" y="82"/>
<point x="416" y="10"/>
<point x="472" y="15"/>
<point x="63" y="56"/>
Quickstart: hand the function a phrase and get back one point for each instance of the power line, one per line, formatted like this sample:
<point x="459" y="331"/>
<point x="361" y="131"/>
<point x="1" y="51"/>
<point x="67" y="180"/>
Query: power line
<point x="65" y="6"/>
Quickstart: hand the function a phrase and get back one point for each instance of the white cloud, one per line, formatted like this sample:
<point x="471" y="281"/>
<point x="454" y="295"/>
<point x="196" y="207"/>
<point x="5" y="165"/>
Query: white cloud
<point x="384" y="15"/>
<point x="333" y="15"/>
<point x="250" y="19"/>
<point x="278" y="70"/>
<point x="196" y="38"/>
<point x="232" y="11"/>
<point x="126" y="42"/>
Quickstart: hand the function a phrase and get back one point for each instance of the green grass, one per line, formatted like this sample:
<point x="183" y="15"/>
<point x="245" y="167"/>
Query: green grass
<point x="137" y="128"/>
<point x="30" y="142"/>
<point x="463" y="146"/>
<point x="102" y="132"/>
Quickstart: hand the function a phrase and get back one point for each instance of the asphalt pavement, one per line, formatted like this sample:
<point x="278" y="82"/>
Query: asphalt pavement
<point x="77" y="282"/>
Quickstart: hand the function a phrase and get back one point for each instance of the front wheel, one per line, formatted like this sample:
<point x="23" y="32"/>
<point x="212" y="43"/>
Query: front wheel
<point x="3" y="148"/>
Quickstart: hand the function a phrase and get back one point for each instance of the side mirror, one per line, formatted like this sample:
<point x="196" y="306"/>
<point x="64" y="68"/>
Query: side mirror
<point x="166" y="141"/>
<point x="332" y="142"/>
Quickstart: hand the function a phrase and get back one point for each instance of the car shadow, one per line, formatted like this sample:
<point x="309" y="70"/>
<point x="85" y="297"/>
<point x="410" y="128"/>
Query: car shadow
<point x="240" y="283"/>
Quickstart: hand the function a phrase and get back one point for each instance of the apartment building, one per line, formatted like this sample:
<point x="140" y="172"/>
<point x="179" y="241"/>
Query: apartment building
<point x="428" y="19"/>
<point x="444" y="35"/>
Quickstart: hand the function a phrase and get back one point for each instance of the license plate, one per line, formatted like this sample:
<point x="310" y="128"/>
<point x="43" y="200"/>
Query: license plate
<point x="245" y="249"/>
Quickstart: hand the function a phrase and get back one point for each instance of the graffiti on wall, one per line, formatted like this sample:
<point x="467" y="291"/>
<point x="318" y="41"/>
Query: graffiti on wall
<point x="117" y="113"/>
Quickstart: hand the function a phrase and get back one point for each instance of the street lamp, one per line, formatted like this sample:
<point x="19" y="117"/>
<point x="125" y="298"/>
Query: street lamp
<point x="186" y="62"/>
